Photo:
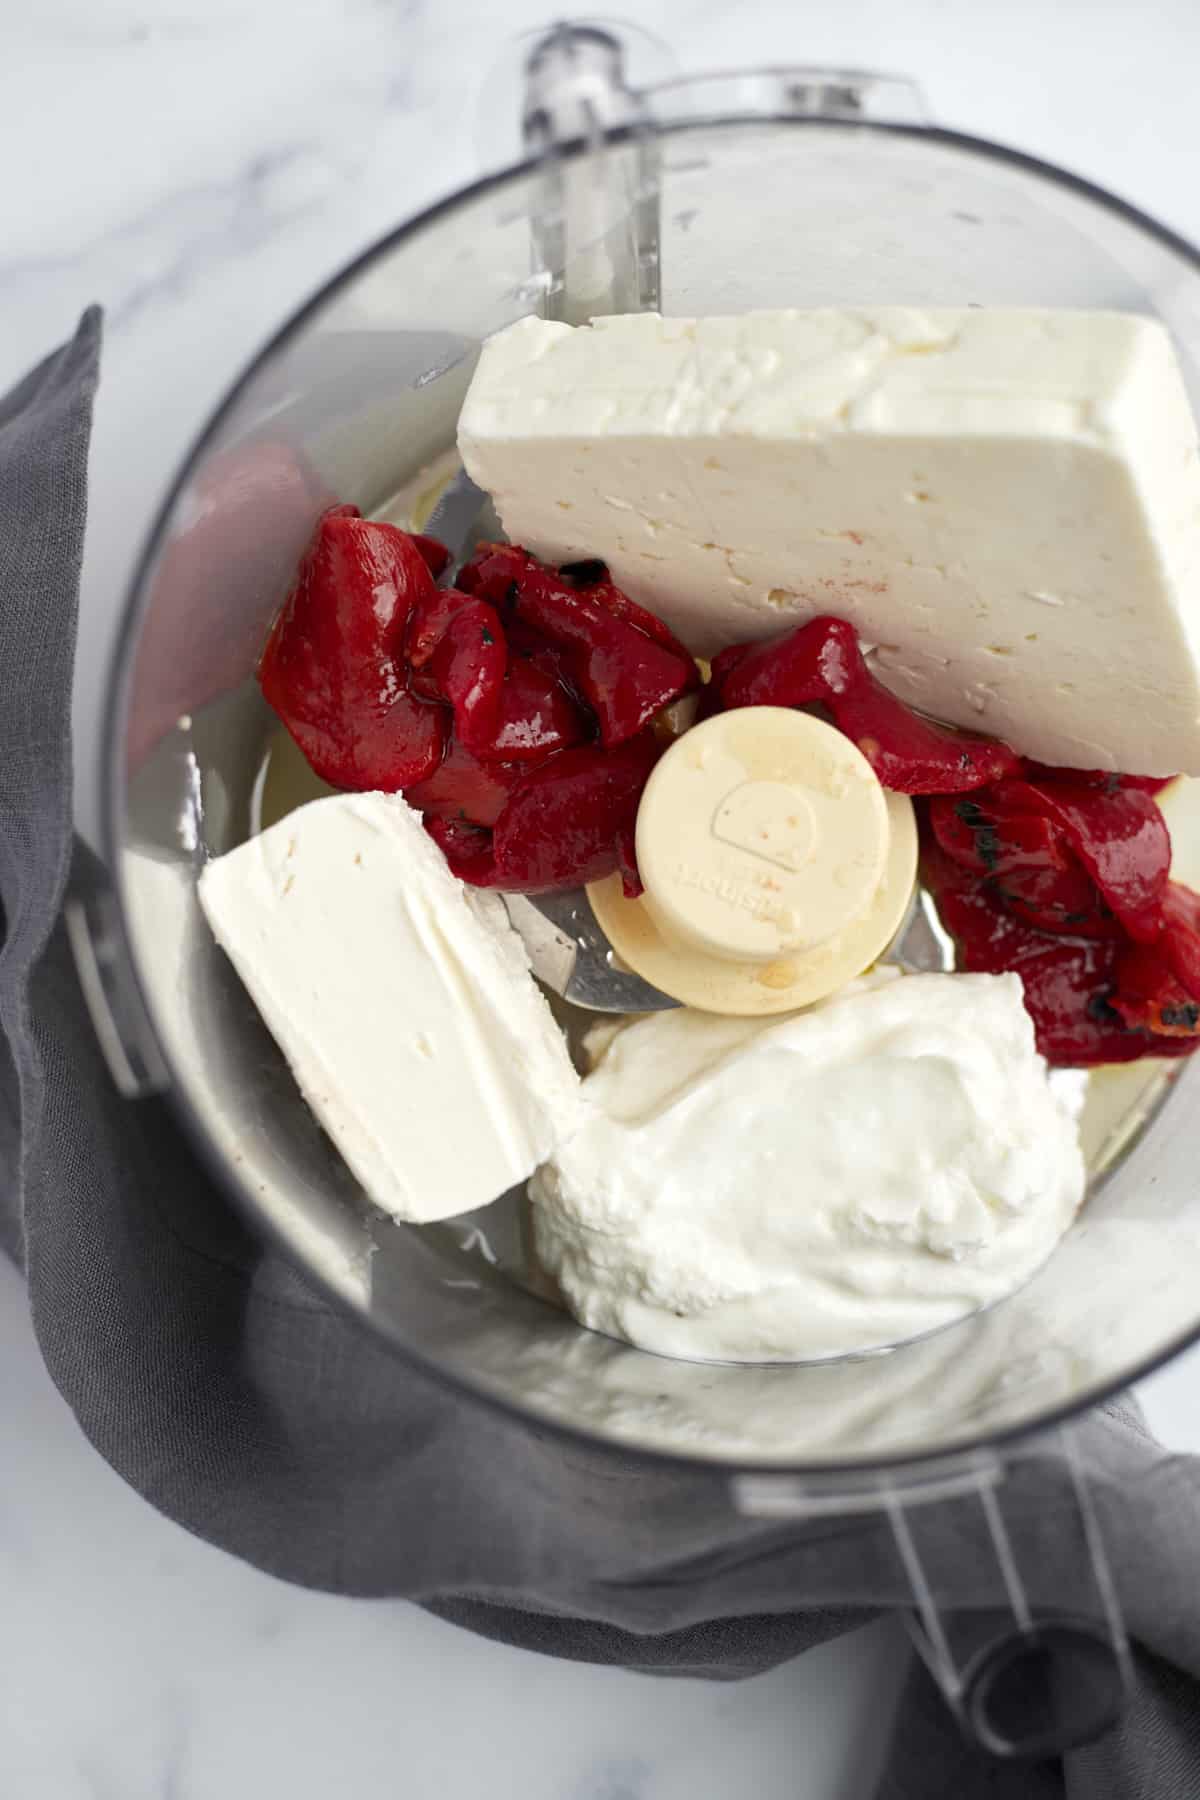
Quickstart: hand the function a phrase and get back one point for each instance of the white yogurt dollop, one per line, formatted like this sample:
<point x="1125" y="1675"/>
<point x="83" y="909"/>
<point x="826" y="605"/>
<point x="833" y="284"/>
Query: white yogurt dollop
<point x="843" y="1178"/>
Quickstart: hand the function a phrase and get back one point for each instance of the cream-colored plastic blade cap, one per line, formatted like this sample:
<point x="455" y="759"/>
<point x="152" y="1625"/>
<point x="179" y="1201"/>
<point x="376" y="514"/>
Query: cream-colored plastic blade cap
<point x="776" y="867"/>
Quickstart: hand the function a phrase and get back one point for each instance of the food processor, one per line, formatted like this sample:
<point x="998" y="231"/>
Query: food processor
<point x="787" y="187"/>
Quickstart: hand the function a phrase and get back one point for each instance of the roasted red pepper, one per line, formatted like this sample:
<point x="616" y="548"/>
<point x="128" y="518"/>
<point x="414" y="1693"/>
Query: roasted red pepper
<point x="333" y="664"/>
<point x="1091" y="1000"/>
<point x="1147" y="995"/>
<point x="462" y="787"/>
<point x="434" y="555"/>
<point x="624" y="670"/>
<point x="1069" y="857"/>
<point x="568" y="823"/>
<point x="821" y="663"/>
<point x="1069" y="982"/>
<point x="993" y="833"/>
<point x="467" y="667"/>
<point x="497" y="570"/>
<point x="537" y="716"/>
<point x="1058" y="901"/>
<point x="1158" y="985"/>
<point x="493" y="572"/>
<point x="990" y="836"/>
<point x="1106" y="779"/>
<point x="554" y="660"/>
<point x="1120" y="838"/>
<point x="1180" y="941"/>
<point x="910" y="754"/>
<point x="593" y="578"/>
<point x="428" y="619"/>
<point x="467" y="849"/>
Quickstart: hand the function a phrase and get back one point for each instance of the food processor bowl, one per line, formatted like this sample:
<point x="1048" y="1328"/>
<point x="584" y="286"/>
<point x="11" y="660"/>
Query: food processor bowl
<point x="789" y="188"/>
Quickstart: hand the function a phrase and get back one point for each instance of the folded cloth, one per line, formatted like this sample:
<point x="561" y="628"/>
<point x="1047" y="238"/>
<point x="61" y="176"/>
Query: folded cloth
<point x="220" y="1384"/>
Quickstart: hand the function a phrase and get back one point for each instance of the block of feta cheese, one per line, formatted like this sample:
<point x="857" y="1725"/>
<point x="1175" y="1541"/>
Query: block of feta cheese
<point x="402" y="1000"/>
<point x="1005" y="503"/>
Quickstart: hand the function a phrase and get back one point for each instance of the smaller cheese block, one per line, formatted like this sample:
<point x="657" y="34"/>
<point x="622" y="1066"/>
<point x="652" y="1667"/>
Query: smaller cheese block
<point x="402" y="1000"/>
<point x="1005" y="503"/>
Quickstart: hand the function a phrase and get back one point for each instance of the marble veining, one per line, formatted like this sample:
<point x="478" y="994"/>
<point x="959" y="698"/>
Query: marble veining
<point x="200" y="169"/>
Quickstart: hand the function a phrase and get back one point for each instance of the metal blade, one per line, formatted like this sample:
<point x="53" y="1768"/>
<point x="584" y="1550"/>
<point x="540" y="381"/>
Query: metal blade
<point x="921" y="946"/>
<point x="454" y="521"/>
<point x="570" y="953"/>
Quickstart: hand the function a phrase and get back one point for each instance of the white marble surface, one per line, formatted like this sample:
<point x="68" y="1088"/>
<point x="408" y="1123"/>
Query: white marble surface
<point x="198" y="167"/>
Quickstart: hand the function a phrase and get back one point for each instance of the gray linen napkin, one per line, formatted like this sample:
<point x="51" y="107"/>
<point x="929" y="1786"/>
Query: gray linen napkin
<point x="224" y="1388"/>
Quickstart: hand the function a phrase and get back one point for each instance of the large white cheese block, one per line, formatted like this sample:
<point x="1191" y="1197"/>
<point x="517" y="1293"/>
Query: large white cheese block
<point x="402" y="1000"/>
<point x="1005" y="503"/>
